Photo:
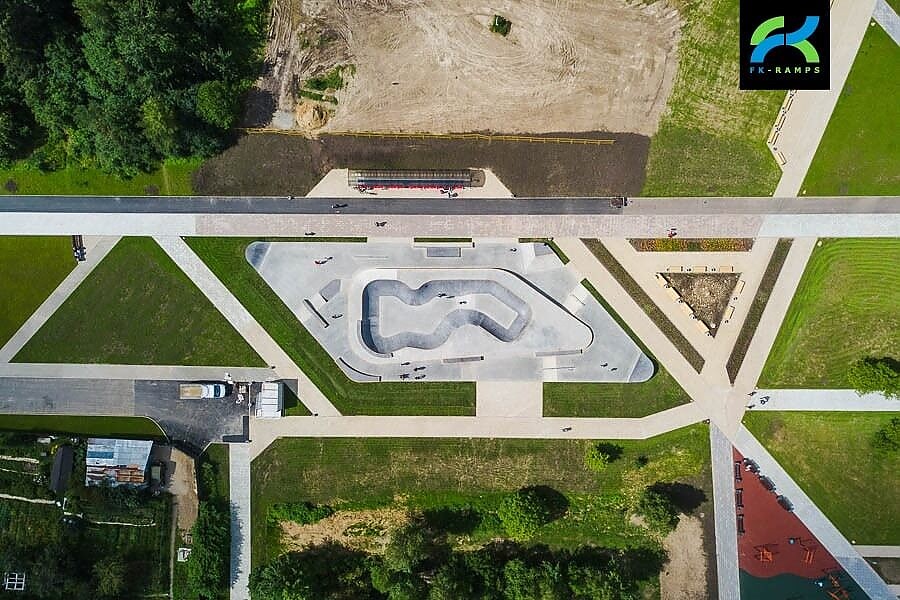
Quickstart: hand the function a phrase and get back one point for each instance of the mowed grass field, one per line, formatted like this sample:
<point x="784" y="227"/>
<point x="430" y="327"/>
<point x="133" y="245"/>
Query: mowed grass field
<point x="172" y="178"/>
<point x="860" y="151"/>
<point x="847" y="307"/>
<point x="225" y="257"/>
<point x="712" y="137"/>
<point x="830" y="456"/>
<point x="30" y="268"/>
<point x="138" y="307"/>
<point x="474" y="474"/>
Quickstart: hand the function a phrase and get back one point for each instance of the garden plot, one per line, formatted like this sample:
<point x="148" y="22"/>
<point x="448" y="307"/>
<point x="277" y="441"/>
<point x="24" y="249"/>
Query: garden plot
<point x="391" y="311"/>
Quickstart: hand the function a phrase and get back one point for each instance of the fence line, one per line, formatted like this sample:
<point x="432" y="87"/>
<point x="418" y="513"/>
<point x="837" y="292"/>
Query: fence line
<point x="445" y="136"/>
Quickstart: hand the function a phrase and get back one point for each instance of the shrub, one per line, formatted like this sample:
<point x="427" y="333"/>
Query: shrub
<point x="871" y="375"/>
<point x="522" y="513"/>
<point x="501" y="25"/>
<point x="303" y="513"/>
<point x="888" y="437"/>
<point x="207" y="566"/>
<point x="598" y="456"/>
<point x="217" y="104"/>
<point x="658" y="511"/>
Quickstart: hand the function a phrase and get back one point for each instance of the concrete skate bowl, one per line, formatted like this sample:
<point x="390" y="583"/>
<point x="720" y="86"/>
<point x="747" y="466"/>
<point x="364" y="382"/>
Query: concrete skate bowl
<point x="453" y="320"/>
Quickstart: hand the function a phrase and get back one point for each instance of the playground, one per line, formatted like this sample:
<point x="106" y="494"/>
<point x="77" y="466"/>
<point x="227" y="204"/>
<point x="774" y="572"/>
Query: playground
<point x="449" y="311"/>
<point x="779" y="557"/>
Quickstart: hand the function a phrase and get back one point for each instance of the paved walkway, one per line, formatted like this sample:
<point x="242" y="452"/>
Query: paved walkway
<point x="245" y="324"/>
<point x="97" y="249"/>
<point x="265" y="431"/>
<point x="818" y="524"/>
<point x="885" y="16"/>
<point x="726" y="522"/>
<point x="878" y="551"/>
<point x="803" y="124"/>
<point x="509" y="399"/>
<point x="239" y="489"/>
<point x="91" y="371"/>
<point x="833" y="400"/>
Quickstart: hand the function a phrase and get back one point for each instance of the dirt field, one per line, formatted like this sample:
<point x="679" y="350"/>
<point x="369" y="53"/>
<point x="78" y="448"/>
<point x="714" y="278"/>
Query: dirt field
<point x="273" y="164"/>
<point x="707" y="294"/>
<point x="420" y="65"/>
<point x="682" y="577"/>
<point x="362" y="529"/>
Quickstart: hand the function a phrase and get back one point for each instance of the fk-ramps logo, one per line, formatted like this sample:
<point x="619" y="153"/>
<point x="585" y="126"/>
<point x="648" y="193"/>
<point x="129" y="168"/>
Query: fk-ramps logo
<point x="784" y="45"/>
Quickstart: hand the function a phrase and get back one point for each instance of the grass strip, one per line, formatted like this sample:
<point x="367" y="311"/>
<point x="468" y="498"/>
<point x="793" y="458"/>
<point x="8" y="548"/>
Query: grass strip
<point x="549" y="242"/>
<point x="739" y="351"/>
<point x="225" y="257"/>
<point x="616" y="400"/>
<point x="646" y="303"/>
<point x="118" y="427"/>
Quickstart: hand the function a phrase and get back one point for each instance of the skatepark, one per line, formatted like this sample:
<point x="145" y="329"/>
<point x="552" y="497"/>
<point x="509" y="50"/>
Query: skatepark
<point x="449" y="311"/>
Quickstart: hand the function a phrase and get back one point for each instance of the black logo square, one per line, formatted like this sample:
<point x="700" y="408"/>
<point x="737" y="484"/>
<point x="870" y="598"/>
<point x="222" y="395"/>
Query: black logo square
<point x="785" y="45"/>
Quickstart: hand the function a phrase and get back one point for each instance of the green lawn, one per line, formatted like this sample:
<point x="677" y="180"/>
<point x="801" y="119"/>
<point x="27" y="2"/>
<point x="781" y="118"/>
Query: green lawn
<point x="473" y="474"/>
<point x="173" y="178"/>
<point x="125" y="427"/>
<point x="138" y="307"/>
<point x="830" y="457"/>
<point x="225" y="257"/>
<point x="711" y="139"/>
<point x="30" y="269"/>
<point x="860" y="153"/>
<point x="846" y="307"/>
<point x="614" y="399"/>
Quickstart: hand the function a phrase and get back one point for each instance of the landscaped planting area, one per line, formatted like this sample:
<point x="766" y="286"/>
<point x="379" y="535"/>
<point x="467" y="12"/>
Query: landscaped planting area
<point x="225" y="257"/>
<point x="152" y="313"/>
<point x="458" y="485"/>
<point x="847" y="307"/>
<point x="712" y="137"/>
<point x="859" y="154"/>
<point x="831" y="456"/>
<point x="30" y="270"/>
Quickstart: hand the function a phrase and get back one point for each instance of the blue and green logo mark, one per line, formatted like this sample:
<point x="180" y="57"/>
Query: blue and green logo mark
<point x="784" y="48"/>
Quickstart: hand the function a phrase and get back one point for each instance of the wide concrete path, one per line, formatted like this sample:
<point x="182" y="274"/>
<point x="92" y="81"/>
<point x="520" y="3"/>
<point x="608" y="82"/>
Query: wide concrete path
<point x="885" y="16"/>
<point x="96" y="250"/>
<point x="807" y="117"/>
<point x="726" y="521"/>
<point x="824" y="400"/>
<point x="878" y="551"/>
<point x="818" y="524"/>
<point x="265" y="431"/>
<point x="239" y="489"/>
<point x="244" y="323"/>
<point x="90" y="371"/>
<point x="509" y="398"/>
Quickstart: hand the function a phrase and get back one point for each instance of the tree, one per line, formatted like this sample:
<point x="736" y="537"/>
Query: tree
<point x="216" y="104"/>
<point x="871" y="375"/>
<point x="658" y="511"/>
<point x="409" y="547"/>
<point x="207" y="566"/>
<point x="542" y="582"/>
<point x="888" y="437"/>
<point x="109" y="577"/>
<point x="522" y="513"/>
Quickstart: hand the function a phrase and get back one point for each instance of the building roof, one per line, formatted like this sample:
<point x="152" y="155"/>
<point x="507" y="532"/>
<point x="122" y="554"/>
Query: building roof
<point x="117" y="462"/>
<point x="270" y="400"/>
<point x="62" y="469"/>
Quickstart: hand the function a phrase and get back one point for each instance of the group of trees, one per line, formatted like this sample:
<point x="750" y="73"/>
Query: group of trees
<point x="417" y="566"/>
<point x="871" y="375"/>
<point x="207" y="566"/>
<point x="121" y="84"/>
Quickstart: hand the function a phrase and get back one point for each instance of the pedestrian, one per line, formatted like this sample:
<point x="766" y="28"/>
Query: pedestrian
<point x="749" y="406"/>
<point x="614" y="369"/>
<point x="315" y="414"/>
<point x="567" y="429"/>
<point x="513" y="249"/>
<point x="604" y="365"/>
<point x="753" y="393"/>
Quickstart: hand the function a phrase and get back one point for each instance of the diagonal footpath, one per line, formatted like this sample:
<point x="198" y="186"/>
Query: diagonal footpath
<point x="239" y="491"/>
<point x="724" y="510"/>
<point x="97" y="249"/>
<point x="258" y="338"/>
<point x="885" y="16"/>
<point x="818" y="524"/>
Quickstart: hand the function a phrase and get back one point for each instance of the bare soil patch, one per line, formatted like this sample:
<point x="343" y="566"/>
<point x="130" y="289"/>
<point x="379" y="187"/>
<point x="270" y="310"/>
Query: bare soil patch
<point x="423" y="65"/>
<point x="707" y="294"/>
<point x="683" y="576"/>
<point x="182" y="484"/>
<point x="272" y="164"/>
<point x="367" y="530"/>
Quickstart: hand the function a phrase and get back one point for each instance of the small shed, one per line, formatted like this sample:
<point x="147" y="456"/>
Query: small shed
<point x="270" y="400"/>
<point x="63" y="461"/>
<point x="117" y="462"/>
